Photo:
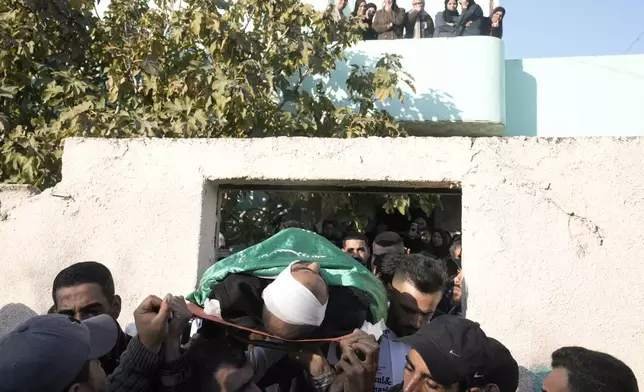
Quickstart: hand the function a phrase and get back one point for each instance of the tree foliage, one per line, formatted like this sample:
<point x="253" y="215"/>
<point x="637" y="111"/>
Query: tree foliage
<point x="249" y="217"/>
<point x="193" y="69"/>
<point x="198" y="68"/>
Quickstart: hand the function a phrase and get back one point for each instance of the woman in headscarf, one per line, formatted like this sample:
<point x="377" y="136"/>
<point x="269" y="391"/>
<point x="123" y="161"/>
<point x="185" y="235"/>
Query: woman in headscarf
<point x="446" y="20"/>
<point x="360" y="11"/>
<point x="471" y="21"/>
<point x="494" y="25"/>
<point x="389" y="21"/>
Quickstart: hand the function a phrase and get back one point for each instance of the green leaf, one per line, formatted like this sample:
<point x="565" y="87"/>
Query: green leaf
<point x="8" y="91"/>
<point x="195" y="25"/>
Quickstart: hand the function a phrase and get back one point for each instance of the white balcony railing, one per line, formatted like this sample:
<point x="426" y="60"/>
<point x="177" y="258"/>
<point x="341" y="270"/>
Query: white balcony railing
<point x="459" y="83"/>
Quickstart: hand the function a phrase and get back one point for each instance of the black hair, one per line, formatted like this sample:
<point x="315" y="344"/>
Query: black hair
<point x="357" y="5"/>
<point x="82" y="273"/>
<point x="594" y="371"/>
<point x="426" y="273"/>
<point x="206" y="355"/>
<point x="355" y="236"/>
<point x="385" y="267"/>
<point x="371" y="5"/>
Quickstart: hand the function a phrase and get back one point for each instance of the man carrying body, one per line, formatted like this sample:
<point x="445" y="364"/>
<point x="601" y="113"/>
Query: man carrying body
<point x="414" y="294"/>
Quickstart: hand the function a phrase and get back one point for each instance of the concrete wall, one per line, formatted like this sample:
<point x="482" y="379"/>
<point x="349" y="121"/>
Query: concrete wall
<point x="575" y="96"/>
<point x="551" y="227"/>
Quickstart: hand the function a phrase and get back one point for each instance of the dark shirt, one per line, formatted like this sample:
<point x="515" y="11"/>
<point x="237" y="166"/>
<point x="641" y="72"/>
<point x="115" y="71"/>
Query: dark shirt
<point x="137" y="370"/>
<point x="113" y="359"/>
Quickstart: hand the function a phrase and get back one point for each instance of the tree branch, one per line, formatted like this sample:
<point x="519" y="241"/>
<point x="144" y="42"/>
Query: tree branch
<point x="295" y="88"/>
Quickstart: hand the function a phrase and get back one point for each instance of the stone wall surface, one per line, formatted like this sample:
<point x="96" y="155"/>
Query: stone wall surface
<point x="551" y="227"/>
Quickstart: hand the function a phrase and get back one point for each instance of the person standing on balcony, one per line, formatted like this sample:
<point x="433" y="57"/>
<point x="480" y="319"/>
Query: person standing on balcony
<point x="446" y="20"/>
<point x="494" y="24"/>
<point x="338" y="10"/>
<point x="370" y="34"/>
<point x="471" y="21"/>
<point x="360" y="10"/>
<point x="389" y="21"/>
<point x="418" y="23"/>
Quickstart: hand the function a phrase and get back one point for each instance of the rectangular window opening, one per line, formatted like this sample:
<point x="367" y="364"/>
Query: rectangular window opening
<point x="250" y="214"/>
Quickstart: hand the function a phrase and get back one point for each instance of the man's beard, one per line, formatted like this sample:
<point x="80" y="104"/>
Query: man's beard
<point x="402" y="330"/>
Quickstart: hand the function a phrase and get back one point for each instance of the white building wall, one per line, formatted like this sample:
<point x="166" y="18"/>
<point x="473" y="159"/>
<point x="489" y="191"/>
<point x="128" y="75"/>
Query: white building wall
<point x="575" y="96"/>
<point x="551" y="227"/>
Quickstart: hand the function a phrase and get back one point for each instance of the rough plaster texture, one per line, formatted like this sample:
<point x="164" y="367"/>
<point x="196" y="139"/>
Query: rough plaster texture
<point x="11" y="194"/>
<point x="551" y="227"/>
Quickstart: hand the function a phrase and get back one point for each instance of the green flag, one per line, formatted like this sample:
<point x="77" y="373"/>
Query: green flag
<point x="268" y="258"/>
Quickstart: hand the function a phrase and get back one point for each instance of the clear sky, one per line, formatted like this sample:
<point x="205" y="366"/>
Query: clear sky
<point x="549" y="28"/>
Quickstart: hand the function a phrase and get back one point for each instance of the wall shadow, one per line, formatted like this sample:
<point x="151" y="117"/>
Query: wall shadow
<point x="521" y="101"/>
<point x="532" y="380"/>
<point x="13" y="314"/>
<point x="427" y="105"/>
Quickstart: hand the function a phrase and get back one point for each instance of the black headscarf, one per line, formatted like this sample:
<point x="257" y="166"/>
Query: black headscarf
<point x="448" y="15"/>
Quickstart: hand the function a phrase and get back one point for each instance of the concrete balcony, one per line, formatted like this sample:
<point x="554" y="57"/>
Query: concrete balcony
<point x="460" y="84"/>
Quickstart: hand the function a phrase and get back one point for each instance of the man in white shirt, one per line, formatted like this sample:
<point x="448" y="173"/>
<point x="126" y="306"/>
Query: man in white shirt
<point x="414" y="294"/>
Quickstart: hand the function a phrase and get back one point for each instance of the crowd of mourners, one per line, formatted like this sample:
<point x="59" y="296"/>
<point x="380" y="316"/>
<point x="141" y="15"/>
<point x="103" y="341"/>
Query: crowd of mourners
<point x="393" y="22"/>
<point x="299" y="311"/>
